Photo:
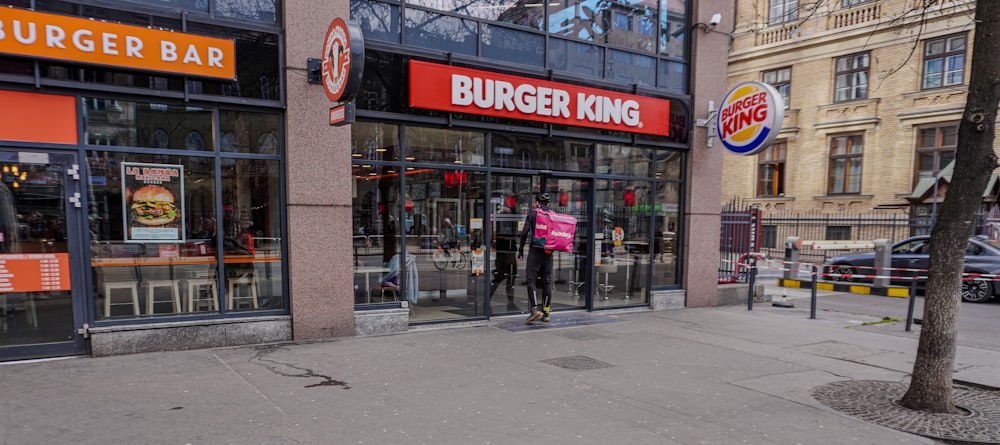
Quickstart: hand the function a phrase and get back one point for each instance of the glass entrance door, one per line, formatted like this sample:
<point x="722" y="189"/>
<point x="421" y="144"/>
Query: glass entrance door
<point x="512" y="197"/>
<point x="40" y="295"/>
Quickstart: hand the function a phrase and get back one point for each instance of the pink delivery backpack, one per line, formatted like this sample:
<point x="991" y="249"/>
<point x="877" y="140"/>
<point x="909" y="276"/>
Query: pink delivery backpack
<point x="553" y="231"/>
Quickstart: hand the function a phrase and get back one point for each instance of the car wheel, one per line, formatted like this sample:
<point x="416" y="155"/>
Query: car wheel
<point x="840" y="270"/>
<point x="976" y="291"/>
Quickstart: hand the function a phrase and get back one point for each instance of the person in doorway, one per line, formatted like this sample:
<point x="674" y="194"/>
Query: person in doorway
<point x="538" y="270"/>
<point x="447" y="236"/>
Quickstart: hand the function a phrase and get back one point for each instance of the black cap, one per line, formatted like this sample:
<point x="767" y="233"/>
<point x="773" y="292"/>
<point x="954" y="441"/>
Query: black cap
<point x="543" y="197"/>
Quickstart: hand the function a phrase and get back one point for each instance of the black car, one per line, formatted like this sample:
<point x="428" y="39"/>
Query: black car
<point x="981" y="257"/>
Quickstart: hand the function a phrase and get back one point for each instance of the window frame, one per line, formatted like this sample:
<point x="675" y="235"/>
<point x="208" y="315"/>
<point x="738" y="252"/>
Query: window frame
<point x="944" y="57"/>
<point x="781" y="80"/>
<point x="851" y="157"/>
<point x="782" y="11"/>
<point x="936" y="149"/>
<point x="851" y="75"/>
<point x="772" y="159"/>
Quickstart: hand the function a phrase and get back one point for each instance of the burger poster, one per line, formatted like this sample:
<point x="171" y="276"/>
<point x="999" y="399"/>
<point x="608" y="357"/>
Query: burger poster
<point x="153" y="202"/>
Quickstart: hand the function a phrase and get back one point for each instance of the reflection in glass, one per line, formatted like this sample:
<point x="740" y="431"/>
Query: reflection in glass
<point x="445" y="146"/>
<point x="511" y="45"/>
<point x="373" y="141"/>
<point x="528" y="13"/>
<point x="259" y="10"/>
<point x="247" y="129"/>
<point x="161" y="276"/>
<point x="666" y="227"/>
<point x="449" y="34"/>
<point x="33" y="220"/>
<point x="138" y="124"/>
<point x="576" y="57"/>
<point x="378" y="21"/>
<point x="622" y="271"/>
<point x="632" y="68"/>
<point x="252" y="235"/>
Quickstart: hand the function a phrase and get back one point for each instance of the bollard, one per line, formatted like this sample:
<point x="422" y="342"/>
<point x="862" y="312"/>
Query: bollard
<point x="752" y="280"/>
<point x="812" y="304"/>
<point x="883" y="261"/>
<point x="793" y="245"/>
<point x="913" y="298"/>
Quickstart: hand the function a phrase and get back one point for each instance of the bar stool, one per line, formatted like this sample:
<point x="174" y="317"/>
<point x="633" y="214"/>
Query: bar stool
<point x="111" y="286"/>
<point x="175" y="294"/>
<point x="607" y="269"/>
<point x="237" y="283"/>
<point x="194" y="297"/>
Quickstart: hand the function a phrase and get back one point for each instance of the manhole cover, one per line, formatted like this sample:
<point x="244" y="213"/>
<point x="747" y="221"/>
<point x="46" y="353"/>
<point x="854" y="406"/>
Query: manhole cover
<point x="577" y="363"/>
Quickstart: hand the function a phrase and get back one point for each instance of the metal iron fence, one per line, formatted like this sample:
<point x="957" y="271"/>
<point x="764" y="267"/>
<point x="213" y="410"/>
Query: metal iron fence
<point x="747" y="229"/>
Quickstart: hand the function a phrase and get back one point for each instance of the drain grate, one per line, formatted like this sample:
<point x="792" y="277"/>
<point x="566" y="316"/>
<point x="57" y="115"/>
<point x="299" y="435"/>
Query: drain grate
<point x="578" y="363"/>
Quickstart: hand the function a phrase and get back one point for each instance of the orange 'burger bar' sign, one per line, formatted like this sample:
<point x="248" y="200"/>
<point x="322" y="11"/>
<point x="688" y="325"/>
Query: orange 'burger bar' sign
<point x="463" y="90"/>
<point x="58" y="37"/>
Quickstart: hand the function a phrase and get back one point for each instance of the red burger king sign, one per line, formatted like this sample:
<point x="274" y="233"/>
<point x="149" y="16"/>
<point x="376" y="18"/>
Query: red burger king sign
<point x="750" y="118"/>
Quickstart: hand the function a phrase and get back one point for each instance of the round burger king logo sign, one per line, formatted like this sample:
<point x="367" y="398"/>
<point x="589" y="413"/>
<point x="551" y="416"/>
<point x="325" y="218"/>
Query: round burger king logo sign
<point x="750" y="118"/>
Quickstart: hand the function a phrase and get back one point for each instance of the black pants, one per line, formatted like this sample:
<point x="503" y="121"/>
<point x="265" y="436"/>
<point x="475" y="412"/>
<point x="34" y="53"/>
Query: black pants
<point x="539" y="270"/>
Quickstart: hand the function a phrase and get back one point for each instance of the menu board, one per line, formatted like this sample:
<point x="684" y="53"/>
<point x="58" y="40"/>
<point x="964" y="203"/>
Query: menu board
<point x="34" y="272"/>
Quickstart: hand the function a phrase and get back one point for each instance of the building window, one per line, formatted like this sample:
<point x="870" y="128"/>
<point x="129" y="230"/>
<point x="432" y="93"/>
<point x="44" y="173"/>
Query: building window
<point x="781" y="11"/>
<point x="838" y="233"/>
<point x="849" y="3"/>
<point x="771" y="171"/>
<point x="780" y="79"/>
<point x="851" y="77"/>
<point x="845" y="164"/>
<point x="769" y="236"/>
<point x="935" y="150"/>
<point x="944" y="62"/>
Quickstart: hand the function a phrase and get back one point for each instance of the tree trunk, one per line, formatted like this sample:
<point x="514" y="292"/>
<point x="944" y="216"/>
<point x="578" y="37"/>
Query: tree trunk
<point x="931" y="385"/>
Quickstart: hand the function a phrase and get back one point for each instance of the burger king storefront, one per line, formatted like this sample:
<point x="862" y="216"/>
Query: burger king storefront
<point x="174" y="177"/>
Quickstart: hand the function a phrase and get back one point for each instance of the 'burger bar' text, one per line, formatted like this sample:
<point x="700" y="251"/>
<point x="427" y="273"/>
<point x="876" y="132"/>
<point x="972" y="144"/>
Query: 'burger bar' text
<point x="59" y="37"/>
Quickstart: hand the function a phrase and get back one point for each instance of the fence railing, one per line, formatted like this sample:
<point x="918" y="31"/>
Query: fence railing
<point x="768" y="232"/>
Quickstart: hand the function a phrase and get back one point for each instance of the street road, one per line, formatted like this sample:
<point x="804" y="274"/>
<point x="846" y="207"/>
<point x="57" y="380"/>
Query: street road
<point x="978" y="324"/>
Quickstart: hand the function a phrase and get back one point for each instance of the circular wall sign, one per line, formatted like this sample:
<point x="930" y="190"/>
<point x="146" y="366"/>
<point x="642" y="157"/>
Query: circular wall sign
<point x="336" y="59"/>
<point x="750" y="118"/>
<point x="343" y="60"/>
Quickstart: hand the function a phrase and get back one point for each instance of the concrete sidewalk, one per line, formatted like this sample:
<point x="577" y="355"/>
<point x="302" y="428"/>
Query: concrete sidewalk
<point x="691" y="376"/>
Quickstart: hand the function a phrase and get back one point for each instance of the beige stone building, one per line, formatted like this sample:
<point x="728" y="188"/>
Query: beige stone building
<point x="874" y="92"/>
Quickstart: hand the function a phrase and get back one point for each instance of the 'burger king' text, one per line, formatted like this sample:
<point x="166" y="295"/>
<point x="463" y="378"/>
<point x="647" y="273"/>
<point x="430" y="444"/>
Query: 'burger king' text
<point x="743" y="113"/>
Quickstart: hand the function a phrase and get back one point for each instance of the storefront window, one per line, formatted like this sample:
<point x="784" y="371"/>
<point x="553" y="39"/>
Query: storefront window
<point x="245" y="132"/>
<point x="152" y="229"/>
<point x="155" y="234"/>
<point x="143" y="124"/>
<point x="251" y="223"/>
<point x="622" y="273"/>
<point x="445" y="146"/>
<point x="666" y="227"/>
<point x="372" y="141"/>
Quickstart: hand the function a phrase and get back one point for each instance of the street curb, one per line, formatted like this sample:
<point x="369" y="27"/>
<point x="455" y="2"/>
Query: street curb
<point x="865" y="289"/>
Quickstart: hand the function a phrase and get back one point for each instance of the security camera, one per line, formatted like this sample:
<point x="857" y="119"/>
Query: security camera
<point x="714" y="21"/>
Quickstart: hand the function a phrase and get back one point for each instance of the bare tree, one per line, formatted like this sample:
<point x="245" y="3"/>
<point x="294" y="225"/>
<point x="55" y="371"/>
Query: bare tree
<point x="931" y="385"/>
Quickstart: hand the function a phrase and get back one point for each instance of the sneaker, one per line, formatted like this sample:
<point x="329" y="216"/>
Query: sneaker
<point x="535" y="315"/>
<point x="511" y="307"/>
<point x="545" y="317"/>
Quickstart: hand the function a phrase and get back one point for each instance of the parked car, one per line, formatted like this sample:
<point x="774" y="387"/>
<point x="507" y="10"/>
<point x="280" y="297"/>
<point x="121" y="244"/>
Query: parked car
<point x="981" y="257"/>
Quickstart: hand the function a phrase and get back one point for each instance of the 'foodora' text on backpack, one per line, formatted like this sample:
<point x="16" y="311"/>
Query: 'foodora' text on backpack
<point x="553" y="231"/>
